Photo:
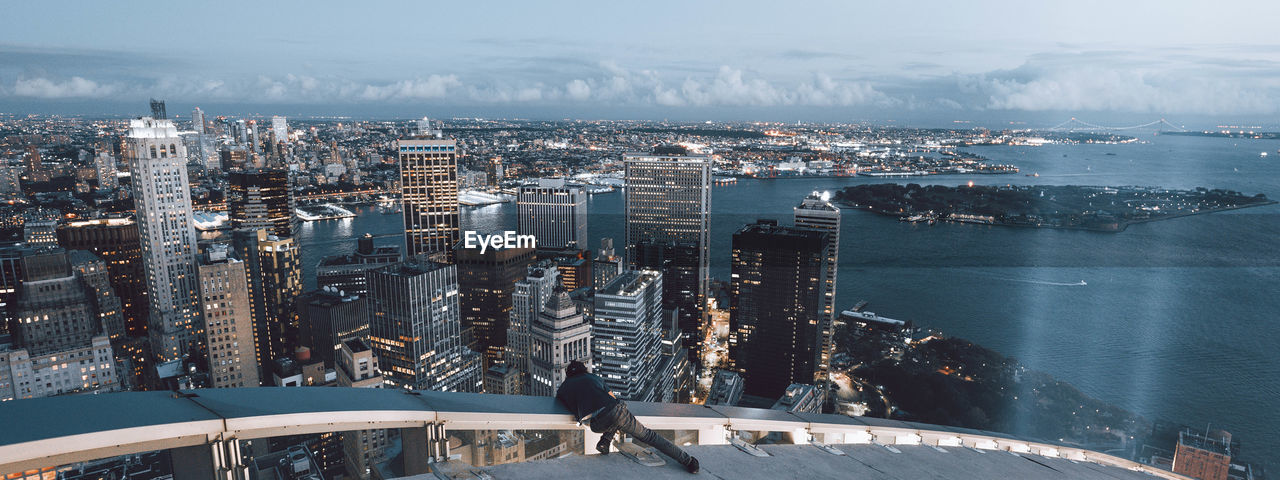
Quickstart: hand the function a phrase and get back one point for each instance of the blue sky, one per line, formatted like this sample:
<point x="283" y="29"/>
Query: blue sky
<point x="687" y="60"/>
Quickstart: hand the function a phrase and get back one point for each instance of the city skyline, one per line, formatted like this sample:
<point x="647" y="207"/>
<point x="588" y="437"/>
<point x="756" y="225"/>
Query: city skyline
<point x="1004" y="61"/>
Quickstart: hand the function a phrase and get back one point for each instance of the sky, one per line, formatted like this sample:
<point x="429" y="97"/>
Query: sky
<point x="917" y="62"/>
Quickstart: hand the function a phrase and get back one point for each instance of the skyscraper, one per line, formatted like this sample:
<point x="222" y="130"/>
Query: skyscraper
<point x="157" y="110"/>
<point x="554" y="212"/>
<point x="115" y="240"/>
<point x="668" y="205"/>
<point x="224" y="291"/>
<point x="429" y="193"/>
<point x="274" y="269"/>
<point x="559" y="335"/>
<point x="105" y="166"/>
<point x="197" y="121"/>
<point x="818" y="213"/>
<point x="345" y="273"/>
<point x="262" y="198"/>
<point x="627" y="335"/>
<point x="606" y="265"/>
<point x="327" y="318"/>
<point x="530" y="294"/>
<point x="487" y="281"/>
<point x="280" y="127"/>
<point x="162" y="200"/>
<point x="357" y="367"/>
<point x="415" y="329"/>
<point x="775" y="305"/>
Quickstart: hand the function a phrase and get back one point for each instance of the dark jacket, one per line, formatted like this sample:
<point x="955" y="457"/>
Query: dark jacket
<point x="584" y="394"/>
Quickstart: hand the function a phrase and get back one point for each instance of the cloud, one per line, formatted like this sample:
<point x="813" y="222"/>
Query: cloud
<point x="75" y="87"/>
<point x="433" y="87"/>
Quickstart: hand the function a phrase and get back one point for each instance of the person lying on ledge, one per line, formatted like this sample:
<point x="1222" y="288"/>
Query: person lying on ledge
<point x="586" y="397"/>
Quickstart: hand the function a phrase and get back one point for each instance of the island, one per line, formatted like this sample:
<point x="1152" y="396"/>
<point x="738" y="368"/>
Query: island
<point x="1096" y="208"/>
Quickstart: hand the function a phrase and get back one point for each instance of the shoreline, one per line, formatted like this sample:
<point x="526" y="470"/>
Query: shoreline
<point x="1120" y="227"/>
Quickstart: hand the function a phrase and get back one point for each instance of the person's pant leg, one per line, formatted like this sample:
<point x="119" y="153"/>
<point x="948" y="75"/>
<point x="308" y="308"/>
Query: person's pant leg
<point x="628" y="424"/>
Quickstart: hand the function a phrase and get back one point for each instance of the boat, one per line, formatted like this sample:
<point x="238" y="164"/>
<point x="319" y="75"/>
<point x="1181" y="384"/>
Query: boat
<point x="1082" y="283"/>
<point x="1264" y="154"/>
<point x="327" y="211"/>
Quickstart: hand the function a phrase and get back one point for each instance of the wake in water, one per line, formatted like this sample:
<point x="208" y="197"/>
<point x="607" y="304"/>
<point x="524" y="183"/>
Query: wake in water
<point x="1031" y="281"/>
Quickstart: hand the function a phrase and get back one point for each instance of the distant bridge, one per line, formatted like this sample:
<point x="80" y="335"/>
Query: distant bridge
<point x="202" y="429"/>
<point x="1077" y="124"/>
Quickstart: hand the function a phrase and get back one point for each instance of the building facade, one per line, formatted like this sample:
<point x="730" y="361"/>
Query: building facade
<point x="554" y="212"/>
<point x="262" y="199"/>
<point x="560" y="335"/>
<point x="530" y="294"/>
<point x="274" y="269"/>
<point x="668" y="204"/>
<point x="775" y="305"/>
<point x="817" y="212"/>
<point x="162" y="200"/>
<point x="429" y="193"/>
<point x="327" y="318"/>
<point x="224" y="291"/>
<point x="627" y="335"/>
<point x="415" y="327"/>
<point x="486" y="281"/>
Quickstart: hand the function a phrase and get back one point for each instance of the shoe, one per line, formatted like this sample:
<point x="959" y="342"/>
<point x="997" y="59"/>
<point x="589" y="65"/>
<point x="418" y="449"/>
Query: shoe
<point x="692" y="466"/>
<point x="603" y="445"/>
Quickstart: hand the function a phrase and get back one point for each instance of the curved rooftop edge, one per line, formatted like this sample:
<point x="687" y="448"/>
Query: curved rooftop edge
<point x="55" y="431"/>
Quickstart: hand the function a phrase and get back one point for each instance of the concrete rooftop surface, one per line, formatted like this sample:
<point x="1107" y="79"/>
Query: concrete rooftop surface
<point x="861" y="461"/>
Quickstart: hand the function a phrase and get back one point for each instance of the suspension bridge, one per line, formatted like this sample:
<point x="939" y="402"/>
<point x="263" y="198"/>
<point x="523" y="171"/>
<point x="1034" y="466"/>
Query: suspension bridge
<point x="1077" y="124"/>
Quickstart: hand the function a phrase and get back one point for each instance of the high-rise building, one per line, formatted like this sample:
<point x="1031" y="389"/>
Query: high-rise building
<point x="530" y="294"/>
<point x="554" y="212"/>
<point x="274" y="269"/>
<point x="280" y="127"/>
<point x="105" y="168"/>
<point x="93" y="272"/>
<point x="162" y="200"/>
<point x="559" y="335"/>
<point x="327" y="317"/>
<point x="1204" y="457"/>
<point x="429" y="193"/>
<point x="40" y="233"/>
<point x="574" y="265"/>
<point x="775" y="305"/>
<point x="607" y="264"/>
<point x="197" y="121"/>
<point x="817" y="212"/>
<point x="415" y="329"/>
<point x="486" y="281"/>
<point x="224" y="291"/>
<point x="627" y="335"/>
<point x="345" y="273"/>
<point x="357" y="367"/>
<point x="503" y="379"/>
<point x="668" y="205"/>
<point x="262" y="198"/>
<point x="60" y="344"/>
<point x="726" y="389"/>
<point x="157" y="110"/>
<point x="115" y="240"/>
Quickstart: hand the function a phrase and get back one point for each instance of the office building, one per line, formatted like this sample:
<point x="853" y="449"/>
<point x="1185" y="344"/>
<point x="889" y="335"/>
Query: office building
<point x="487" y="281"/>
<point x="775" y="305"/>
<point x="34" y="163"/>
<point x="726" y="389"/>
<point x="668" y="206"/>
<point x="429" y="193"/>
<point x="415" y="327"/>
<point x="105" y="170"/>
<point x="559" y="335"/>
<point x="607" y="264"/>
<point x="801" y="398"/>
<point x="274" y="269"/>
<point x="197" y="121"/>
<point x="162" y="200"/>
<point x="228" y="319"/>
<point x="1204" y="457"/>
<point x="40" y="233"/>
<point x="574" y="266"/>
<point x="280" y="128"/>
<point x="346" y="272"/>
<point x="94" y="274"/>
<point x="554" y="212"/>
<point x="327" y="318"/>
<point x="627" y="335"/>
<point x="357" y="367"/>
<point x="817" y="212"/>
<point x="503" y="379"/>
<point x="157" y="110"/>
<point x="530" y="294"/>
<point x="116" y="241"/>
<point x="262" y="198"/>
